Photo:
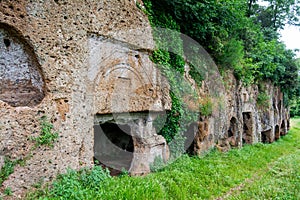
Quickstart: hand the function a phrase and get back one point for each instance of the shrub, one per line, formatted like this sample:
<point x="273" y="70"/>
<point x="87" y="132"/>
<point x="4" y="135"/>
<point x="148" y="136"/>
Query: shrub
<point x="8" y="191"/>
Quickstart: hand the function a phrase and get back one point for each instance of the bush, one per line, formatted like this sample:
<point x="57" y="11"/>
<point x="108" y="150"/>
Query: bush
<point x="295" y="108"/>
<point x="233" y="54"/>
<point x="8" y="191"/>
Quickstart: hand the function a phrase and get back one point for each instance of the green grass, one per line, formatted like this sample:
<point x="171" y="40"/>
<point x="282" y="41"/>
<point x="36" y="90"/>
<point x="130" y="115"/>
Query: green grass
<point x="261" y="171"/>
<point x="282" y="178"/>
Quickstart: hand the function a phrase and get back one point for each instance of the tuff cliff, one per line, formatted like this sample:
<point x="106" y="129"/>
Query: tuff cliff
<point x="86" y="66"/>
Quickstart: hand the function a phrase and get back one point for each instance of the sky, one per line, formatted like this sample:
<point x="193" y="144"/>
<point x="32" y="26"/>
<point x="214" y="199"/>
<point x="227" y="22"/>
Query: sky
<point x="291" y="37"/>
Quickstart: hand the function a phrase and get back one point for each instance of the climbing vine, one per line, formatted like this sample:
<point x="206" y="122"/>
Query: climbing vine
<point x="172" y="67"/>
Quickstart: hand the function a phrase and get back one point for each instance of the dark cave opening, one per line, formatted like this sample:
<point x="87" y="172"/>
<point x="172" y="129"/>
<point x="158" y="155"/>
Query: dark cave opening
<point x="118" y="134"/>
<point x="247" y="128"/>
<point x="113" y="146"/>
<point x="189" y="143"/>
<point x="277" y="132"/>
<point x="232" y="132"/>
<point x="233" y="128"/>
<point x="266" y="136"/>
<point x="282" y="128"/>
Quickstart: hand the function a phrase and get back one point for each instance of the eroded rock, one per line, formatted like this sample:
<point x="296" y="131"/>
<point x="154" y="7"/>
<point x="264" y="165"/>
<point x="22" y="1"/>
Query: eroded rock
<point x="21" y="80"/>
<point x="85" y="65"/>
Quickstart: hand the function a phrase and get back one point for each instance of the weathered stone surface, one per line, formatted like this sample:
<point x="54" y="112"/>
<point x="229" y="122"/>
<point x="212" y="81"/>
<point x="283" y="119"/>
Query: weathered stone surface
<point x="133" y="147"/>
<point x="60" y="40"/>
<point x="245" y="121"/>
<point x="124" y="79"/>
<point x="86" y="63"/>
<point x="21" y="81"/>
<point x="1" y="161"/>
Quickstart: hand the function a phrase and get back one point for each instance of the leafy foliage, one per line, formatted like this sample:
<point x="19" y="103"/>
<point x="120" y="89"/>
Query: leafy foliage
<point x="196" y="75"/>
<point x="295" y="108"/>
<point x="76" y="184"/>
<point x="47" y="137"/>
<point x="240" y="35"/>
<point x="277" y="13"/>
<point x="8" y="168"/>
<point x="8" y="191"/>
<point x="206" y="106"/>
<point x="295" y="102"/>
<point x="263" y="100"/>
<point x="169" y="58"/>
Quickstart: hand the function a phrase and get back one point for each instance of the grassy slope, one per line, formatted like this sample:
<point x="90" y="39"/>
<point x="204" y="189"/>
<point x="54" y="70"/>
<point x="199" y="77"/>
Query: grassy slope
<point x="282" y="178"/>
<point x="261" y="171"/>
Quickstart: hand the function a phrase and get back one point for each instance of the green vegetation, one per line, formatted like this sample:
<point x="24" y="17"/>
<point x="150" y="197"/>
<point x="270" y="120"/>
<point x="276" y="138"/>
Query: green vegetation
<point x="206" y="106"/>
<point x="263" y="100"/>
<point x="264" y="171"/>
<point x="157" y="165"/>
<point x="295" y="108"/>
<point x="240" y="35"/>
<point x="8" y="168"/>
<point x="243" y="37"/>
<point x="46" y="137"/>
<point x="281" y="180"/>
<point x="169" y="58"/>
<point x="8" y="191"/>
<point x="75" y="184"/>
<point x="295" y="103"/>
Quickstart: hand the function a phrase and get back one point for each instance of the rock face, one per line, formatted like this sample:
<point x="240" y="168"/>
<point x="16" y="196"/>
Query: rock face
<point x="22" y="83"/>
<point x="242" y="120"/>
<point x="79" y="63"/>
<point x="124" y="79"/>
<point x="85" y="66"/>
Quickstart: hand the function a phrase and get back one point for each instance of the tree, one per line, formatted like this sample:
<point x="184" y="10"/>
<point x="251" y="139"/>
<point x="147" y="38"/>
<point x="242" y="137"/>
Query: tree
<point x="240" y="35"/>
<point x="251" y="5"/>
<point x="278" y="13"/>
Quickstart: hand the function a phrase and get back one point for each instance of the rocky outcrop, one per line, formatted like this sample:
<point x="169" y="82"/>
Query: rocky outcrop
<point x="247" y="120"/>
<point x="21" y="79"/>
<point x="85" y="65"/>
<point x="76" y="62"/>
